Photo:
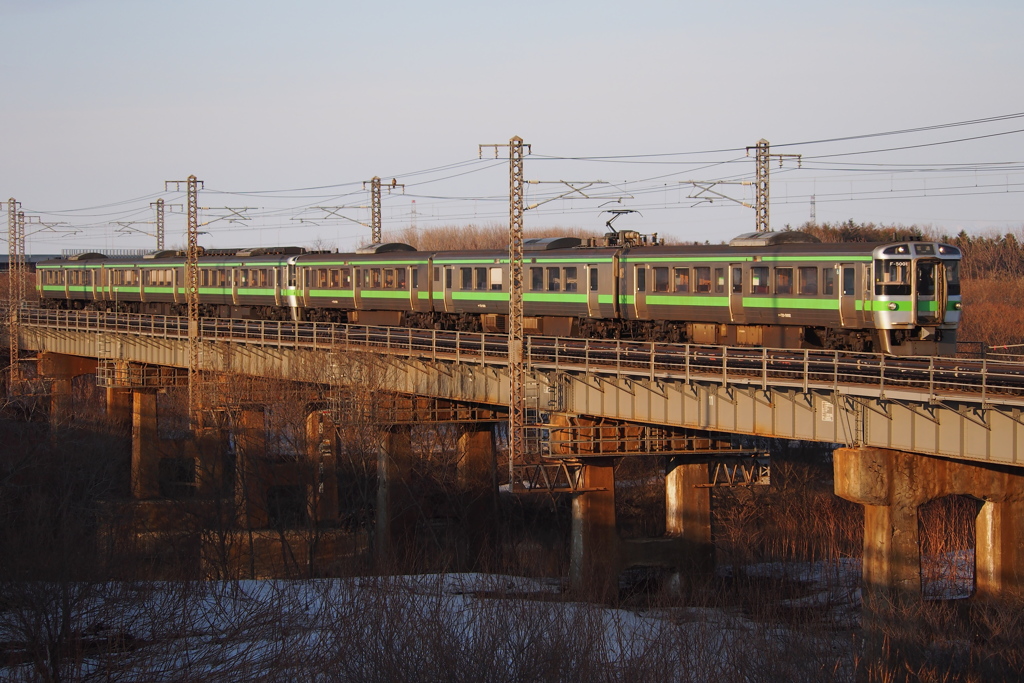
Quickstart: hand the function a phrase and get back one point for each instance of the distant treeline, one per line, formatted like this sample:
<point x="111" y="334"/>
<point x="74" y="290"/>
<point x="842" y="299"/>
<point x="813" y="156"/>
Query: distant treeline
<point x="989" y="255"/>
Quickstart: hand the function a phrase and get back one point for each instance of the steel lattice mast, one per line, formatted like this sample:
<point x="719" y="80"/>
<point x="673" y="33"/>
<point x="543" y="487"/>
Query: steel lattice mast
<point x="763" y="183"/>
<point x="159" y="205"/>
<point x="192" y="187"/>
<point x="192" y="295"/>
<point x="375" y="220"/>
<point x="762" y="187"/>
<point x="15" y="284"/>
<point x="516" y="337"/>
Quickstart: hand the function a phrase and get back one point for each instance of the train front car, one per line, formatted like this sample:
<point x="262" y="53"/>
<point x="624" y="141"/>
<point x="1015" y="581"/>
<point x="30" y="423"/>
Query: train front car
<point x="916" y="298"/>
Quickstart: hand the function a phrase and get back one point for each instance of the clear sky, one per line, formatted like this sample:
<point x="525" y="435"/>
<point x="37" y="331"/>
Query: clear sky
<point x="283" y="107"/>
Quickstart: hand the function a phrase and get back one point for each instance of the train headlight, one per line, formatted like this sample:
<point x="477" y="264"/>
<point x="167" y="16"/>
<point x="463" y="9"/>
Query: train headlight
<point x="893" y="305"/>
<point x="958" y="305"/>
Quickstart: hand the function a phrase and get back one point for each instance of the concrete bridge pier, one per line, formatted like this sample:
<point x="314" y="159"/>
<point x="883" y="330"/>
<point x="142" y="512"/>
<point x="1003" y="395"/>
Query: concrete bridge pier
<point x="251" y="502"/>
<point x="119" y="406"/>
<point x="688" y="516"/>
<point x="60" y="370"/>
<point x="395" y="518"/>
<point x="598" y="554"/>
<point x="145" y="446"/>
<point x="893" y="485"/>
<point x="595" y="556"/>
<point x="477" y="476"/>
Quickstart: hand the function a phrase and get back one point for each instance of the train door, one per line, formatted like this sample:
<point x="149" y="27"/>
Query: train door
<point x="357" y="287"/>
<point x="848" y="294"/>
<point x="929" y="292"/>
<point x="640" y="286"/>
<point x="736" y="292"/>
<point x="449" y="282"/>
<point x="593" y="280"/>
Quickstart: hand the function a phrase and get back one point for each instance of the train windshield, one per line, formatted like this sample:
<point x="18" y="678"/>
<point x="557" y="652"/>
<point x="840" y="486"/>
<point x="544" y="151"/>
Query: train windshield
<point x="892" y="278"/>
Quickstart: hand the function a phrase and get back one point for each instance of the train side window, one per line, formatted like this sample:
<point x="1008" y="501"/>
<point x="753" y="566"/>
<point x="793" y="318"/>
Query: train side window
<point x="737" y="280"/>
<point x="264" y="277"/>
<point x="321" y="278"/>
<point x="849" y="281"/>
<point x="536" y="279"/>
<point x="437" y="274"/>
<point x="481" y="278"/>
<point x="204" y="278"/>
<point x="466" y="277"/>
<point x="783" y="280"/>
<point x="448" y="278"/>
<point x="389" y="278"/>
<point x="952" y="277"/>
<point x="334" y="278"/>
<point x="719" y="280"/>
<point x="497" y="278"/>
<point x="375" y="278"/>
<point x="703" y="277"/>
<point x="146" y="277"/>
<point x="593" y="278"/>
<point x="809" y="280"/>
<point x="400" y="278"/>
<point x="682" y="279"/>
<point x="243" y="277"/>
<point x="554" y="279"/>
<point x="661" y="279"/>
<point x="222" y="277"/>
<point x="641" y="279"/>
<point x="828" y="281"/>
<point x="758" y="280"/>
<point x="346" y="278"/>
<point x="415" y="277"/>
<point x="569" y="278"/>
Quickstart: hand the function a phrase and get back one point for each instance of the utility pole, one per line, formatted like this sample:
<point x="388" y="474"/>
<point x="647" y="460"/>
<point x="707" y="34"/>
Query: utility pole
<point x="15" y="286"/>
<point x="192" y="290"/>
<point x="516" y="336"/>
<point x="375" y="220"/>
<point x="814" y="213"/>
<point x="763" y="156"/>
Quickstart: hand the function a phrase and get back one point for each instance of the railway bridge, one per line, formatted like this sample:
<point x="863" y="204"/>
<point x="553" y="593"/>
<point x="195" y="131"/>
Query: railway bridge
<point x="908" y="430"/>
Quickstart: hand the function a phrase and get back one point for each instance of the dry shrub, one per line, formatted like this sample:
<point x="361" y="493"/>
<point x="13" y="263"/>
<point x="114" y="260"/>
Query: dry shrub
<point x="992" y="311"/>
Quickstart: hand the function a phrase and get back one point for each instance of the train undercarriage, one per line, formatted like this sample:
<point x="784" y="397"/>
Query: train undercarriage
<point x="674" y="332"/>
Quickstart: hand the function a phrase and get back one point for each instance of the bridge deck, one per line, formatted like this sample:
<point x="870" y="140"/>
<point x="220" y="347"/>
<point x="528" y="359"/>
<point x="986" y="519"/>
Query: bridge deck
<point x="970" y="409"/>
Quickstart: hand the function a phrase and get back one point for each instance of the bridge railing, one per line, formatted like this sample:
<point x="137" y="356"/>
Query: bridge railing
<point x="940" y="378"/>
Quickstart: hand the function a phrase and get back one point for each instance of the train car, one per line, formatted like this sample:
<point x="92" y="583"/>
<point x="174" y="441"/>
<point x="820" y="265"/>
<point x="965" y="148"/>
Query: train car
<point x="249" y="283"/>
<point x="562" y="288"/>
<point x="383" y="284"/>
<point x="785" y="291"/>
<point x="781" y="290"/>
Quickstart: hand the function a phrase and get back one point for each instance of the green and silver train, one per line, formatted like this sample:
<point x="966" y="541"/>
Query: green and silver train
<point x="779" y="290"/>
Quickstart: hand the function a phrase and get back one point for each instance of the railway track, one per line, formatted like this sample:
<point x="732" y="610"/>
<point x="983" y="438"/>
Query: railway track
<point x="942" y="378"/>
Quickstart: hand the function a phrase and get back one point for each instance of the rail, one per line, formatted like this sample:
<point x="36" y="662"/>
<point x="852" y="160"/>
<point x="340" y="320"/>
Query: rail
<point x="942" y="379"/>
